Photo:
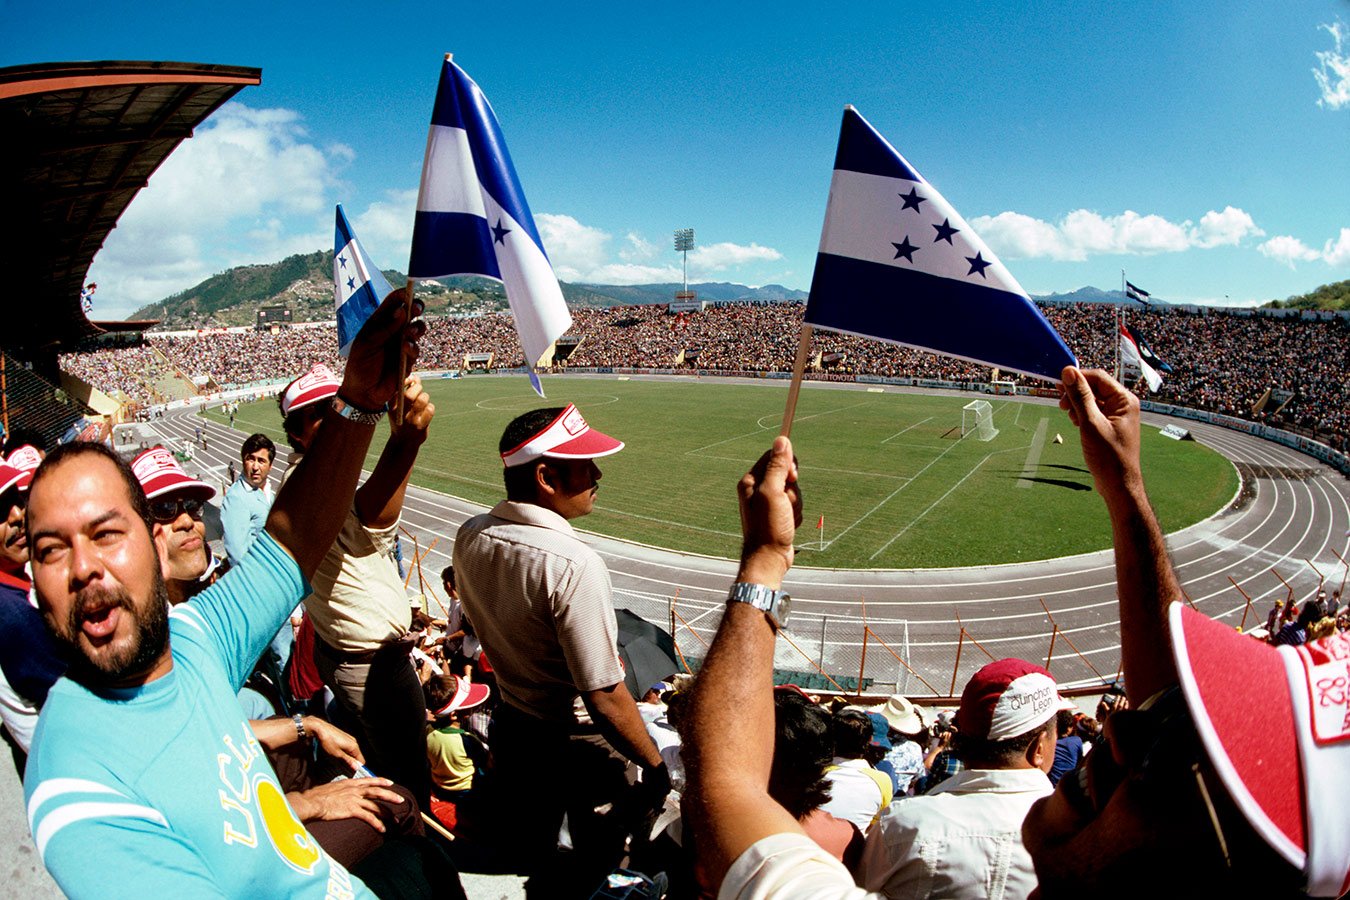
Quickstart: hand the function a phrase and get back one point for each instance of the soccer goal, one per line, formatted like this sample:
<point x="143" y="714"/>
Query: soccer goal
<point x="978" y="416"/>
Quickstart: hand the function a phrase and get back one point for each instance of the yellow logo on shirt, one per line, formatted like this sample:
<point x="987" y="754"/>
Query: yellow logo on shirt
<point x="292" y="842"/>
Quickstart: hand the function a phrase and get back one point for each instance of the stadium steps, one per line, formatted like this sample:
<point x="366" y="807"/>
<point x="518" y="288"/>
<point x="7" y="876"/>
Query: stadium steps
<point x="30" y="402"/>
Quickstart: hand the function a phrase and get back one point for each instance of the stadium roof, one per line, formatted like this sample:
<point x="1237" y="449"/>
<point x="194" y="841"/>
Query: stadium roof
<point x="81" y="139"/>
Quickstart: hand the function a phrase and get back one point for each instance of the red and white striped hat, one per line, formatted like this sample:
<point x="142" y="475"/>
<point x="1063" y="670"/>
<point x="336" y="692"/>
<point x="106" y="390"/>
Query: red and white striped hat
<point x="319" y="383"/>
<point x="159" y="473"/>
<point x="566" y="437"/>
<point x="1275" y="723"/>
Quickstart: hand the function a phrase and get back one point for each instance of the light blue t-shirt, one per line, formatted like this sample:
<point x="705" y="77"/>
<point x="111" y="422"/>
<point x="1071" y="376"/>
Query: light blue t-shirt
<point x="162" y="790"/>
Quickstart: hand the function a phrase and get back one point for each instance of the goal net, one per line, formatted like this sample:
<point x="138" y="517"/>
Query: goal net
<point x="977" y="417"/>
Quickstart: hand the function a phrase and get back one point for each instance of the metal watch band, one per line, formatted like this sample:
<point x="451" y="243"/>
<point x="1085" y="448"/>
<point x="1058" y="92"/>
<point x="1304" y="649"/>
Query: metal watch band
<point x="775" y="604"/>
<point x="353" y="414"/>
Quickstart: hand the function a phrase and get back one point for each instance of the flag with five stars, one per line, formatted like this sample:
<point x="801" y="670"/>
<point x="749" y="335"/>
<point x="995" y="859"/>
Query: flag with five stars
<point x="358" y="284"/>
<point x="898" y="263"/>
<point x="472" y="217"/>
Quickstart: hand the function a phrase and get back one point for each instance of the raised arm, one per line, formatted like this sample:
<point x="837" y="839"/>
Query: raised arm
<point x="380" y="500"/>
<point x="311" y="507"/>
<point x="730" y="736"/>
<point x="1107" y="417"/>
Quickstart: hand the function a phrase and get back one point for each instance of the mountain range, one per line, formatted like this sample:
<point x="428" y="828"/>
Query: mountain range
<point x="304" y="282"/>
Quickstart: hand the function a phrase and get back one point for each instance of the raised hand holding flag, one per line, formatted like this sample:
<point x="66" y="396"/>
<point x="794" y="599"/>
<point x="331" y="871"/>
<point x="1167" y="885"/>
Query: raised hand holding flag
<point x="358" y="284"/>
<point x="472" y="217"/>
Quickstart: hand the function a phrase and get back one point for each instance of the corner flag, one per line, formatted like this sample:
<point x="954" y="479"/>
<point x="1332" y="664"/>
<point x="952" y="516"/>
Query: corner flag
<point x="358" y="284"/>
<point x="898" y="263"/>
<point x="472" y="217"/>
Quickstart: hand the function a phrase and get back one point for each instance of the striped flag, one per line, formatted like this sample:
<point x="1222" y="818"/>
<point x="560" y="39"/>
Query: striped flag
<point x="358" y="284"/>
<point x="472" y="217"/>
<point x="1139" y="294"/>
<point x="1134" y="353"/>
<point x="897" y="262"/>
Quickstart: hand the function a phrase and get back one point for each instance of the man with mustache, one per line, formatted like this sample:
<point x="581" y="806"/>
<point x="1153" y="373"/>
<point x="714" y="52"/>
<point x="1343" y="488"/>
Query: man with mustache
<point x="144" y="778"/>
<point x="541" y="602"/>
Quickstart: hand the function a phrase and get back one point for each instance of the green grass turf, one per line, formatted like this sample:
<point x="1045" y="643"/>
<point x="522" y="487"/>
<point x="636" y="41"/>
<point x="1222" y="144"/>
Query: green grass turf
<point x="896" y="485"/>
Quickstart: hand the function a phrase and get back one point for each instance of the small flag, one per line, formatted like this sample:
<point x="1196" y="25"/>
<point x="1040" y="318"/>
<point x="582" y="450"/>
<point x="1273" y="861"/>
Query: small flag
<point x="898" y="263"/>
<point x="358" y="284"/>
<point x="1139" y="294"/>
<point x="820" y="523"/>
<point x="87" y="296"/>
<point x="1135" y="353"/>
<point x="472" y="217"/>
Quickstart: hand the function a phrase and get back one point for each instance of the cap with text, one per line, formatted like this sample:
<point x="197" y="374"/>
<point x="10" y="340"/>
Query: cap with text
<point x="1008" y="698"/>
<point x="319" y="383"/>
<point x="1275" y="723"/>
<point x="566" y="437"/>
<point x="25" y="459"/>
<point x="159" y="474"/>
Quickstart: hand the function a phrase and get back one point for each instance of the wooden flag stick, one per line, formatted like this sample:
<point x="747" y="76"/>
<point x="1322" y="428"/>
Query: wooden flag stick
<point x="396" y="416"/>
<point x="798" y="370"/>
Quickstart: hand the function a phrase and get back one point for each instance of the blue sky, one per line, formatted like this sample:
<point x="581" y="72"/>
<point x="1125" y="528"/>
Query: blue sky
<point x="1201" y="146"/>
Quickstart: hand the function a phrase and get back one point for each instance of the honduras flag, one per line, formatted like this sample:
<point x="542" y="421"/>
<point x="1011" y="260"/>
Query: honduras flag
<point x="472" y="218"/>
<point x="358" y="284"/>
<point x="896" y="262"/>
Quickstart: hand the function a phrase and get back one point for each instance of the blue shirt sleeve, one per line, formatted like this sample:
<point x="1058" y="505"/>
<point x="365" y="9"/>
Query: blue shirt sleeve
<point x="28" y="654"/>
<point x="239" y="614"/>
<point x="236" y="521"/>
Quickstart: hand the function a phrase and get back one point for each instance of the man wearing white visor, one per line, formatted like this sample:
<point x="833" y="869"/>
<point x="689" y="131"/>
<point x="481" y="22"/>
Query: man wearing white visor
<point x="541" y="602"/>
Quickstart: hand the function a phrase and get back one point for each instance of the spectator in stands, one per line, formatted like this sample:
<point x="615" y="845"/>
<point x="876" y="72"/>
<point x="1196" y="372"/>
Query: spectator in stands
<point x="249" y="497"/>
<point x="360" y="609"/>
<point x="453" y="642"/>
<point x="964" y="839"/>
<point x="858" y="792"/>
<point x="541" y="602"/>
<point x="1296" y="632"/>
<point x="1242" y="804"/>
<point x="141" y="677"/>
<point x="908" y="734"/>
<point x="30" y="661"/>
<point x="940" y="762"/>
<point x="803" y="751"/>
<point x="1068" y="746"/>
<point x="452" y="752"/>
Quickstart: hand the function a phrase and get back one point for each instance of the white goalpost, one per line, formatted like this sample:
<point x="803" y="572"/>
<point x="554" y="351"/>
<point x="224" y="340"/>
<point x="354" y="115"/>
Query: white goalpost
<point x="977" y="417"/>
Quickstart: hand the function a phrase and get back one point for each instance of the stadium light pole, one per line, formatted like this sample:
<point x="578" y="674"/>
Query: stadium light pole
<point x="684" y="242"/>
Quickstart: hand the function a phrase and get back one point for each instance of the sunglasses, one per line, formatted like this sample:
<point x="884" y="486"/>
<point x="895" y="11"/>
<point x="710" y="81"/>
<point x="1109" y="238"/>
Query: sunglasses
<point x="165" y="511"/>
<point x="1161" y="752"/>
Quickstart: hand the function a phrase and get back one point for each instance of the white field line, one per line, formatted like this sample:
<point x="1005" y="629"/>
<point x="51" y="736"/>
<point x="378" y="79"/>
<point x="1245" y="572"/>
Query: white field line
<point x="749" y="462"/>
<point x="1033" y="455"/>
<point x="939" y="500"/>
<point x="903" y="430"/>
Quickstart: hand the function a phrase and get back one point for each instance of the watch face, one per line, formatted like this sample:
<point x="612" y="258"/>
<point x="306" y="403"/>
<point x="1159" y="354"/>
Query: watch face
<point x="784" y="609"/>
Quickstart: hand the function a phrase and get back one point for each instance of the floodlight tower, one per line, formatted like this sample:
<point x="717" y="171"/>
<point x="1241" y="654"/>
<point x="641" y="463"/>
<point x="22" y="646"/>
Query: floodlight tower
<point x="684" y="242"/>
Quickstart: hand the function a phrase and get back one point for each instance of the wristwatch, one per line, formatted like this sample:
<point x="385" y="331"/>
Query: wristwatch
<point x="356" y="414"/>
<point x="777" y="605"/>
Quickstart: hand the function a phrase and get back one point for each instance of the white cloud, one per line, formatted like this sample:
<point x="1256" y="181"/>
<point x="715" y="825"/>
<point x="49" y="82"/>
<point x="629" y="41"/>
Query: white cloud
<point x="1084" y="232"/>
<point x="1333" y="71"/>
<point x="581" y="253"/>
<point x="385" y="228"/>
<point x="716" y="257"/>
<point x="223" y="198"/>
<point x="1289" y="250"/>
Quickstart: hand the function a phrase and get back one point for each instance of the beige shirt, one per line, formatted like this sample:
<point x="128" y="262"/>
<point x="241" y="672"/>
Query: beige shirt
<point x="541" y="603"/>
<point x="359" y="602"/>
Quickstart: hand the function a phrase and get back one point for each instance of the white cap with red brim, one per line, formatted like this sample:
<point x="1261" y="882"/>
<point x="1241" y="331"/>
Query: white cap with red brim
<point x="319" y="383"/>
<point x="1275" y="723"/>
<point x="468" y="694"/>
<point x="159" y="473"/>
<point x="566" y="437"/>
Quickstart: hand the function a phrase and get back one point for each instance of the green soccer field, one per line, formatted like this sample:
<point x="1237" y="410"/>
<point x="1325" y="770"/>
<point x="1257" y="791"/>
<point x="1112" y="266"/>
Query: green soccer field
<point x="896" y="483"/>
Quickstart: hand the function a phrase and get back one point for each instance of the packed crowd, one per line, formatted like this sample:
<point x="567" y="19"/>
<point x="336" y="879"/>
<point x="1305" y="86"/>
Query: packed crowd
<point x="1221" y="362"/>
<point x="158" y="698"/>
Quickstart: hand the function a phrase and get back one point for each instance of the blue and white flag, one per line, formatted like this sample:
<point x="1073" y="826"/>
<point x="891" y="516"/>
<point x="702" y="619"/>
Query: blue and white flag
<point x="1136" y="293"/>
<point x="897" y="263"/>
<point x="358" y="284"/>
<point x="472" y="217"/>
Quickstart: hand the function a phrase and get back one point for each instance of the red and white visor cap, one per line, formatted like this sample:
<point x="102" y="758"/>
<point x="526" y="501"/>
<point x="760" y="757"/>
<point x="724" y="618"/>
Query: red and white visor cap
<point x="1275" y="723"/>
<point x="468" y="694"/>
<point x="11" y="477"/>
<point x="159" y="474"/>
<point x="26" y="459"/>
<point x="319" y="383"/>
<point x="566" y="437"/>
<point x="1007" y="698"/>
